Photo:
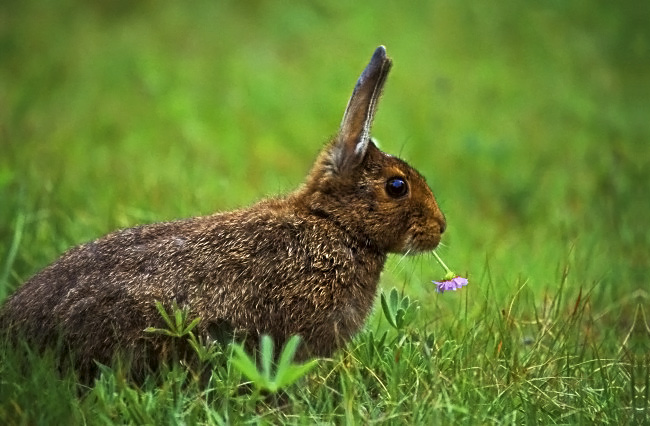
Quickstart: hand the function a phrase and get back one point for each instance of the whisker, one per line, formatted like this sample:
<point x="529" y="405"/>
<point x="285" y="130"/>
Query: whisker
<point x="408" y="251"/>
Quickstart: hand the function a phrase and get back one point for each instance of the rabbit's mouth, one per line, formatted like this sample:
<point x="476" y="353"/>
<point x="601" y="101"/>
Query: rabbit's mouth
<point x="420" y="242"/>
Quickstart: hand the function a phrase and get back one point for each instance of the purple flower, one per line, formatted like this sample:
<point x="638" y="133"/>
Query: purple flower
<point x="452" y="284"/>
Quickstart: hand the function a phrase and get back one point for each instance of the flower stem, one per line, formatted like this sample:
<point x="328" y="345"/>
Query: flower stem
<point x="447" y="270"/>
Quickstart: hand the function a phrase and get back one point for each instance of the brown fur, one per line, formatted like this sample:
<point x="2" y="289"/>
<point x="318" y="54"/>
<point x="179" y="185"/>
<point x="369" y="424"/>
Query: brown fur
<point x="306" y="264"/>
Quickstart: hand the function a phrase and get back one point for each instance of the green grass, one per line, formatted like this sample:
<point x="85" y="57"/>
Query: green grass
<point x="529" y="121"/>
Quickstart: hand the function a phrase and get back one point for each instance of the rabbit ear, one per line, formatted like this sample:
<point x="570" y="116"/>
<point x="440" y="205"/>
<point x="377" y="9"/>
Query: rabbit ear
<point x="354" y="134"/>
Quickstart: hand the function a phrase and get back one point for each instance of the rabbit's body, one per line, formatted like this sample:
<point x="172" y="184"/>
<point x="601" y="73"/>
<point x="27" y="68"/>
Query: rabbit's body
<point x="306" y="264"/>
<point x="310" y="278"/>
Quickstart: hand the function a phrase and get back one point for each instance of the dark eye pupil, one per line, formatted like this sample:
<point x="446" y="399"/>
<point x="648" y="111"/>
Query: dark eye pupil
<point x="396" y="187"/>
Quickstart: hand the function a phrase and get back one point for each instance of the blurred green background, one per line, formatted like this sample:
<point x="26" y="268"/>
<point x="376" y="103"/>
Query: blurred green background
<point x="529" y="119"/>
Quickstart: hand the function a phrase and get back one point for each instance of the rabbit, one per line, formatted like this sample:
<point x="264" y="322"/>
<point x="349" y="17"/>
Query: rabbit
<point x="305" y="264"/>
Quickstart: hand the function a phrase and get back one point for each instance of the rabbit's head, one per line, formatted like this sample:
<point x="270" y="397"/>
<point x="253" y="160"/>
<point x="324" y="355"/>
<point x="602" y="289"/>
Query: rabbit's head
<point x="372" y="195"/>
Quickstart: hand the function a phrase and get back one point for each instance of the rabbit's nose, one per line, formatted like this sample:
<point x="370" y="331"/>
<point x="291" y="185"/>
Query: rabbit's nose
<point x="442" y="222"/>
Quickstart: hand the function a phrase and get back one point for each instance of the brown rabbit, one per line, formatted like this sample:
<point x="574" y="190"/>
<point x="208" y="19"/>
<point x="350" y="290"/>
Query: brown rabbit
<point x="306" y="264"/>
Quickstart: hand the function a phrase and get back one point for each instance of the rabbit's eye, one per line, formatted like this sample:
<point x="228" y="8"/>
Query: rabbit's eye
<point x="396" y="187"/>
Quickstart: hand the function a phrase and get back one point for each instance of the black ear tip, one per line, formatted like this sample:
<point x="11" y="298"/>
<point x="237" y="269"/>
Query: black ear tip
<point x="380" y="54"/>
<point x="378" y="60"/>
